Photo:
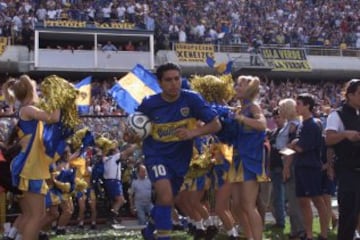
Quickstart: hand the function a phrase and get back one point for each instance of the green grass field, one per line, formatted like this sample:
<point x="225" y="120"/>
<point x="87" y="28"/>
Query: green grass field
<point x="105" y="233"/>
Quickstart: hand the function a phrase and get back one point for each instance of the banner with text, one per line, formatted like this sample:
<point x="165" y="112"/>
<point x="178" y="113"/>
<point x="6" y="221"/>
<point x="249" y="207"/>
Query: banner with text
<point x="286" y="59"/>
<point x="83" y="24"/>
<point x="194" y="52"/>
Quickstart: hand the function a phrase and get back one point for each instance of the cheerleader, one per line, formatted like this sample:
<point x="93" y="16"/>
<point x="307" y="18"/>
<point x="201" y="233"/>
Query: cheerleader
<point x="192" y="192"/>
<point x="65" y="183"/>
<point x="218" y="91"/>
<point x="248" y="168"/>
<point x="30" y="168"/>
<point x="83" y="188"/>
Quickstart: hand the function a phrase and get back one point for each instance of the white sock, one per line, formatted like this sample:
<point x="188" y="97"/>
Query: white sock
<point x="209" y="222"/>
<point x="176" y="222"/>
<point x="18" y="237"/>
<point x="232" y="232"/>
<point x="199" y="225"/>
<point x="12" y="233"/>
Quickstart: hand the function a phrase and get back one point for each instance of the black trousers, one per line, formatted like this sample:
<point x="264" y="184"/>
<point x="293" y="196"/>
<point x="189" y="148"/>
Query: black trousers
<point x="349" y="205"/>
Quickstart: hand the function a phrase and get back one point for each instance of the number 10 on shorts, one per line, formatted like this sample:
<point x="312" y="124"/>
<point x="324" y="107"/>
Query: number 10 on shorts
<point x="159" y="170"/>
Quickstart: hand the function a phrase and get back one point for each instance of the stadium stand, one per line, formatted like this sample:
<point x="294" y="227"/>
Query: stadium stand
<point x="284" y="23"/>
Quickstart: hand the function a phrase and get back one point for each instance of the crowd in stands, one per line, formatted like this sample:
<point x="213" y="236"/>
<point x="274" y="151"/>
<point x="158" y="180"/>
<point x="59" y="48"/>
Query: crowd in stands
<point x="280" y="22"/>
<point x="327" y="94"/>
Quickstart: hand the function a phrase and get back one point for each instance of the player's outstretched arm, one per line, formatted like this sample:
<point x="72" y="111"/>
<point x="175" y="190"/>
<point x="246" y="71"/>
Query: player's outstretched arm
<point x="209" y="128"/>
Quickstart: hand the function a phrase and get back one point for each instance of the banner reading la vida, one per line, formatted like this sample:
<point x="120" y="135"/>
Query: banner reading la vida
<point x="83" y="24"/>
<point x="286" y="59"/>
<point x="186" y="52"/>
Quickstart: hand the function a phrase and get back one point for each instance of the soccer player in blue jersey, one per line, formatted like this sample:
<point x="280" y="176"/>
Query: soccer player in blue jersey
<point x="168" y="150"/>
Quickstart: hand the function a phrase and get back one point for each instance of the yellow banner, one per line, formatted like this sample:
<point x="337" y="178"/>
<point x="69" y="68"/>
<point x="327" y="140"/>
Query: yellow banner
<point x="83" y="24"/>
<point x="115" y="25"/>
<point x="194" y="52"/>
<point x="286" y="59"/>
<point x="69" y="24"/>
<point x="3" y="44"/>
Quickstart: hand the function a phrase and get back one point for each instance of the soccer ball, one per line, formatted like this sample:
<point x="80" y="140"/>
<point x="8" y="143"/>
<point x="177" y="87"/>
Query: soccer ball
<point x="139" y="124"/>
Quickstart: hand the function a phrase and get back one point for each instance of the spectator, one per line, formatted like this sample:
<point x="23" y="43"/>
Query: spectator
<point x="140" y="196"/>
<point x="307" y="146"/>
<point x="27" y="35"/>
<point x="109" y="46"/>
<point x="342" y="132"/>
<point x="276" y="169"/>
<point x="129" y="46"/>
<point x="182" y="35"/>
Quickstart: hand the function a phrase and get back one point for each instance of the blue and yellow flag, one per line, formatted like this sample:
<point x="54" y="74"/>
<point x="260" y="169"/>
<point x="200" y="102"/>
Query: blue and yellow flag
<point x="221" y="68"/>
<point x="84" y="99"/>
<point x="130" y="90"/>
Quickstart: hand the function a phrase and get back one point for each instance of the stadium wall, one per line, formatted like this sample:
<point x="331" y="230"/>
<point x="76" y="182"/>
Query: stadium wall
<point x="17" y="59"/>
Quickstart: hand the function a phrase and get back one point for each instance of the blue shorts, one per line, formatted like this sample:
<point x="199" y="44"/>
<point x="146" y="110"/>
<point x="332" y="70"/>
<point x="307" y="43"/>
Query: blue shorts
<point x="308" y="182"/>
<point x="195" y="184"/>
<point x="52" y="198"/>
<point x="220" y="174"/>
<point x="161" y="169"/>
<point x="113" y="188"/>
<point x="33" y="186"/>
<point x="89" y="193"/>
<point x="328" y="186"/>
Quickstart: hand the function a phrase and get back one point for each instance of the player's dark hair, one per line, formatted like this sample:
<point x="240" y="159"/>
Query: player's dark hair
<point x="166" y="67"/>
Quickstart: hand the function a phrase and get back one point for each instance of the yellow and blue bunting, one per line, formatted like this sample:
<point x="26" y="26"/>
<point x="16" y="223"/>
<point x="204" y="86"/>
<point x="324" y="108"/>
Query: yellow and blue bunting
<point x="84" y="98"/>
<point x="130" y="90"/>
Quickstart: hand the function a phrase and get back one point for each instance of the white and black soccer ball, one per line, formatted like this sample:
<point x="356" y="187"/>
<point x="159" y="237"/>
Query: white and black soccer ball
<point x="139" y="124"/>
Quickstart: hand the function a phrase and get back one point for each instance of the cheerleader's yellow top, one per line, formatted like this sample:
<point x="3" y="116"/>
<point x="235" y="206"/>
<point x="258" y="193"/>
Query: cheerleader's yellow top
<point x="30" y="167"/>
<point x="36" y="165"/>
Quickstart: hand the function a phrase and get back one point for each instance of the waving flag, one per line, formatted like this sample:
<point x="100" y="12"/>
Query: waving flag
<point x="221" y="68"/>
<point x="130" y="90"/>
<point x="83" y="101"/>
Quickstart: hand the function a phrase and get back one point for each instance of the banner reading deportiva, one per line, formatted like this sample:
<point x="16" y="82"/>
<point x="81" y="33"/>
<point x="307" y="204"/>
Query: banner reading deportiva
<point x="194" y="52"/>
<point x="286" y="59"/>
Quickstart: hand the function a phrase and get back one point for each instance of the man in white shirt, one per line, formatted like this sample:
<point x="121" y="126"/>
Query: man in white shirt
<point x="112" y="179"/>
<point x="112" y="182"/>
<point x="343" y="134"/>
